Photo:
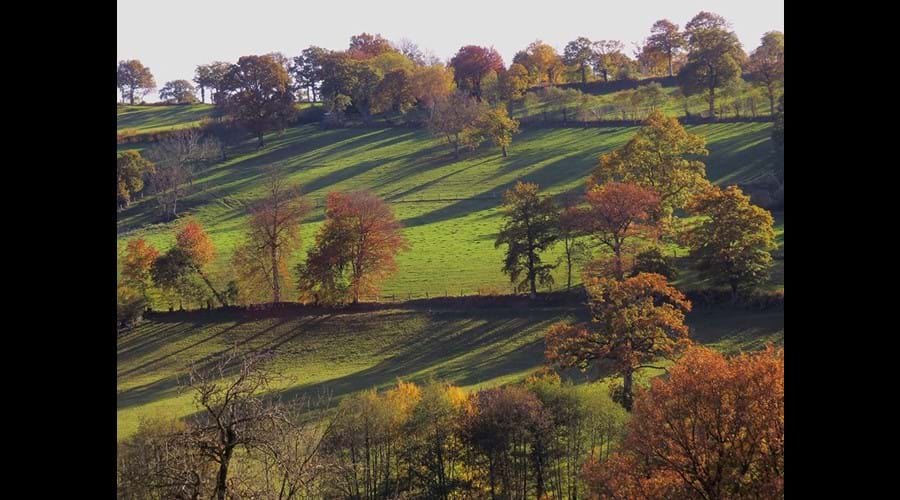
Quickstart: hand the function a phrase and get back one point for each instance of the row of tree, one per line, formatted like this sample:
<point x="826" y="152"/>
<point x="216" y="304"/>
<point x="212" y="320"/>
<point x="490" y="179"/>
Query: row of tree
<point x="632" y="196"/>
<point x="354" y="252"/>
<point x="543" y="438"/>
<point x="374" y="76"/>
<point x="631" y="199"/>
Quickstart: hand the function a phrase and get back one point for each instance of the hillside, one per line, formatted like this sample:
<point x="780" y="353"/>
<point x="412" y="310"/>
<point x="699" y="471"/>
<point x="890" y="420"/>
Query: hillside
<point x="344" y="352"/>
<point x="449" y="207"/>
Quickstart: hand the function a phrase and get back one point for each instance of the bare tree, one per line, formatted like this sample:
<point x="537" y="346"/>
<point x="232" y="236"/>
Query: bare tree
<point x="273" y="235"/>
<point x="234" y="415"/>
<point x="177" y="158"/>
<point x="158" y="461"/>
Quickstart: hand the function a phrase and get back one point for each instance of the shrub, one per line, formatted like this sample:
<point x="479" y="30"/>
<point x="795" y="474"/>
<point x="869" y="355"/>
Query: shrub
<point x="652" y="260"/>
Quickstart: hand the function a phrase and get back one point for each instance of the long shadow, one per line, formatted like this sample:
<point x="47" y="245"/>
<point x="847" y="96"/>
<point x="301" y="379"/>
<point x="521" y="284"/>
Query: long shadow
<point x="179" y="351"/>
<point x="551" y="174"/>
<point x="148" y="393"/>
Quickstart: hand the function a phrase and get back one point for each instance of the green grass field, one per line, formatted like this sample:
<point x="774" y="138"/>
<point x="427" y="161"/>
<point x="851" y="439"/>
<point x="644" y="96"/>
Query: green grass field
<point x="345" y="352"/>
<point x="158" y="118"/>
<point x="449" y="208"/>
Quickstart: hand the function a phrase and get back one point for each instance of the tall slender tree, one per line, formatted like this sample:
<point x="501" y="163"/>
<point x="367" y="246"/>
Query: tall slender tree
<point x="529" y="228"/>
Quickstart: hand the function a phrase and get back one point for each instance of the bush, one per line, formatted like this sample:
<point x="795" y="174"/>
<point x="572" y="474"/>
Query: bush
<point x="312" y="114"/>
<point x="653" y="261"/>
<point x="130" y="306"/>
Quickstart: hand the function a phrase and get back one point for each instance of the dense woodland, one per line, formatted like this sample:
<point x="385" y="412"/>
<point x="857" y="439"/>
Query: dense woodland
<point x="712" y="427"/>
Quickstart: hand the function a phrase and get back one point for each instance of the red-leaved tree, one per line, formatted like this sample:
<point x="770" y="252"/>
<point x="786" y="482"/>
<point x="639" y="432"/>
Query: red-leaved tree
<point x="471" y="64"/>
<point x="359" y="241"/>
<point x="619" y="211"/>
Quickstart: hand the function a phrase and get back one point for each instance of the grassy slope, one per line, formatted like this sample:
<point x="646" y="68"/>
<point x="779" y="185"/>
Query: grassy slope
<point x="347" y="352"/>
<point x="449" y="208"/>
<point x="157" y="118"/>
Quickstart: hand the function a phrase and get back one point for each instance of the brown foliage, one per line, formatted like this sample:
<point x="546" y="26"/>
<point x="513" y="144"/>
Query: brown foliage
<point x="714" y="429"/>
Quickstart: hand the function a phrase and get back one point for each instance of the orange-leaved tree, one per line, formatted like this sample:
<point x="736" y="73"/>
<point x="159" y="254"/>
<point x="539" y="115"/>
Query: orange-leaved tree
<point x="633" y="322"/>
<point x="714" y="429"/>
<point x="618" y="212"/>
<point x="137" y="262"/>
<point x="199" y="251"/>
<point x="273" y="235"/>
<point x="661" y="156"/>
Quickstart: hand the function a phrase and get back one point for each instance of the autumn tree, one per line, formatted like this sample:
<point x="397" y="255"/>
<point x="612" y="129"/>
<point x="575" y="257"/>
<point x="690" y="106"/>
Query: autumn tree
<point x="471" y="64"/>
<point x="394" y="92"/>
<point x="430" y="83"/>
<point x="178" y="92"/>
<point x="665" y="39"/>
<point x="497" y="125"/>
<point x="529" y="228"/>
<point x="660" y="157"/>
<point x="137" y="264"/>
<point x="366" y="46"/>
<point x="714" y="58"/>
<point x="273" y="236"/>
<point x="361" y="237"/>
<point x="619" y="212"/>
<point x="133" y="77"/>
<point x="259" y="94"/>
<point x="607" y="56"/>
<point x="580" y="53"/>
<point x="455" y="118"/>
<point x="633" y="322"/>
<point x="196" y="245"/>
<point x="543" y="62"/>
<point x="766" y="64"/>
<point x="514" y="82"/>
<point x="131" y="169"/>
<point x="713" y="429"/>
<point x="734" y="241"/>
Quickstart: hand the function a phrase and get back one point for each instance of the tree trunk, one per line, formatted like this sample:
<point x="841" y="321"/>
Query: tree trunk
<point x="627" y="382"/>
<point x="531" y="275"/>
<point x="583" y="74"/>
<point x="276" y="287"/>
<point x="771" y="93"/>
<point x="261" y="143"/>
<point x="503" y="148"/>
<point x="617" y="264"/>
<point x="131" y="96"/>
<point x="222" y="477"/>
<point x="216" y="293"/>
<point x="202" y="95"/>
<point x="670" y="63"/>
<point x="712" y="103"/>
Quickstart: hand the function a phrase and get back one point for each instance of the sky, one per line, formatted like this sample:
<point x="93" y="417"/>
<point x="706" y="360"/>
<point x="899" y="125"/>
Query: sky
<point x="173" y="37"/>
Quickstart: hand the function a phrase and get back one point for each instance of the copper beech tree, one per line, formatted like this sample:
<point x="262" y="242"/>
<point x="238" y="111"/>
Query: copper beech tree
<point x="618" y="212"/>
<point x="273" y="235"/>
<point x="633" y="322"/>
<point x="714" y="429"/>
<point x="355" y="248"/>
<point x="471" y="64"/>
